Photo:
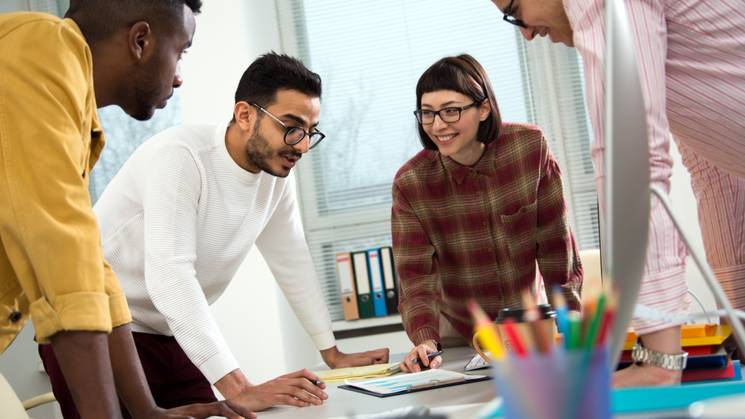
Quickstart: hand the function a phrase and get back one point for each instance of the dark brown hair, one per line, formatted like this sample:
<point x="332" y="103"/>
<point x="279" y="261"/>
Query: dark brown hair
<point x="464" y="75"/>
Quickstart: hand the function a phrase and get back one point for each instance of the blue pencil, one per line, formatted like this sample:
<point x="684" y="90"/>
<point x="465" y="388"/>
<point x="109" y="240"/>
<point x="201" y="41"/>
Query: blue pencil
<point x="562" y="315"/>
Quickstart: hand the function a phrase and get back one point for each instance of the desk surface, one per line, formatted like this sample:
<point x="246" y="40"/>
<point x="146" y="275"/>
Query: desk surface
<point x="344" y="403"/>
<point x="458" y="402"/>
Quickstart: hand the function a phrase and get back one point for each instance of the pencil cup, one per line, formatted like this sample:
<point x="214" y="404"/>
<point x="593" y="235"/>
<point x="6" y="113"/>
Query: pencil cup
<point x="564" y="385"/>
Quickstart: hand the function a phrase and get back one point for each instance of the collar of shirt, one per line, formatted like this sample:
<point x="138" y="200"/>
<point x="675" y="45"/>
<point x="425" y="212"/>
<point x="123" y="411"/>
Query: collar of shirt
<point x="485" y="166"/>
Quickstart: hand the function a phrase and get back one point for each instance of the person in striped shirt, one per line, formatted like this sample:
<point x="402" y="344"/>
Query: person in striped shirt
<point x="474" y="211"/>
<point x="691" y="57"/>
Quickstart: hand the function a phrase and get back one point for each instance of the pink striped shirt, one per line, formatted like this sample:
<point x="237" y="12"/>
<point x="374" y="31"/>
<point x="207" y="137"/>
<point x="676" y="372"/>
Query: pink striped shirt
<point x="691" y="55"/>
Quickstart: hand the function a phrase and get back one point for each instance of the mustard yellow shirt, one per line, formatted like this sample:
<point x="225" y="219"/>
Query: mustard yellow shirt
<point x="51" y="263"/>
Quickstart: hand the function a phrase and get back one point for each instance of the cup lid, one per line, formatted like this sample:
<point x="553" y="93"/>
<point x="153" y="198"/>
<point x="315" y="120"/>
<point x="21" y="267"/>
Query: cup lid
<point x="518" y="314"/>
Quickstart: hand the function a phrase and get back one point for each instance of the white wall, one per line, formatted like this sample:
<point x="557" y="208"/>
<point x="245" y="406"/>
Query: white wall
<point x="230" y="34"/>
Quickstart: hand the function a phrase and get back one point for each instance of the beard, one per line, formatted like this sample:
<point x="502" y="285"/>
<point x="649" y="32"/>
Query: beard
<point x="261" y="154"/>
<point x="147" y="94"/>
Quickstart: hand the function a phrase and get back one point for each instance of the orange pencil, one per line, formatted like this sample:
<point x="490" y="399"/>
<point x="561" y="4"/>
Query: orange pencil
<point x="532" y="318"/>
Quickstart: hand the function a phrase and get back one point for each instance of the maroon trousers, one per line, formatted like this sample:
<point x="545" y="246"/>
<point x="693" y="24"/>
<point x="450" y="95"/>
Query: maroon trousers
<point x="172" y="377"/>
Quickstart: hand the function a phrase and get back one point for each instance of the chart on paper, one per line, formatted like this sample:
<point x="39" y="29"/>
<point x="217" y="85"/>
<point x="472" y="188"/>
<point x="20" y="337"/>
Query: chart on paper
<point x="409" y="382"/>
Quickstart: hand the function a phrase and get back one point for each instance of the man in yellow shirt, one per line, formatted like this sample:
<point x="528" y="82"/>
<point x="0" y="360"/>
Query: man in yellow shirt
<point x="54" y="74"/>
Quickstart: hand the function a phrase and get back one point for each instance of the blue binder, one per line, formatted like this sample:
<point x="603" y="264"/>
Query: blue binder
<point x="376" y="282"/>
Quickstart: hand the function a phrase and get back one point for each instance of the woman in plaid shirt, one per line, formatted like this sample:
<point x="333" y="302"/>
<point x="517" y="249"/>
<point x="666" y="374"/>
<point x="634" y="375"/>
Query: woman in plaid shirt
<point x="474" y="211"/>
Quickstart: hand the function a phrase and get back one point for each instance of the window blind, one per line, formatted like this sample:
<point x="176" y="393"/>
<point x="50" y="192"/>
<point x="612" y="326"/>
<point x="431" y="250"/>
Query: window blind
<point x="370" y="56"/>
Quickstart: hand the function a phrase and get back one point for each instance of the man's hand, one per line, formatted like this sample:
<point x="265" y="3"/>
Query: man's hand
<point x="204" y="411"/>
<point x="293" y="389"/>
<point x="337" y="359"/>
<point x="419" y="352"/>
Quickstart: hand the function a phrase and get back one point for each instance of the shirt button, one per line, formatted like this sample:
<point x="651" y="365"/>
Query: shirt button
<point x="15" y="316"/>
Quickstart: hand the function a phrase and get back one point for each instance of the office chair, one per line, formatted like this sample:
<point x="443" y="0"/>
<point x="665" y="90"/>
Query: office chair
<point x="13" y="407"/>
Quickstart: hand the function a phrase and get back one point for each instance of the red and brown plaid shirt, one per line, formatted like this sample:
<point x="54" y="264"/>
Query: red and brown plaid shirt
<point x="462" y="233"/>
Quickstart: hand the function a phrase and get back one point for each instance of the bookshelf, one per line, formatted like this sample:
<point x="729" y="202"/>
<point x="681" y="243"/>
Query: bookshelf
<point x="344" y="329"/>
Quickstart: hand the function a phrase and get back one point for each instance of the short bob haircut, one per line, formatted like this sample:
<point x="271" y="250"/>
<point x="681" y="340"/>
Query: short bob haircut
<point x="464" y="75"/>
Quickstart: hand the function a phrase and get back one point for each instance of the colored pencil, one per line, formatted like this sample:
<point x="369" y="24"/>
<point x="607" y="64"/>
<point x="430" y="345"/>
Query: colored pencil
<point x="485" y="329"/>
<point x="574" y="335"/>
<point x="597" y="318"/>
<point x="562" y="315"/>
<point x="517" y="342"/>
<point x="533" y="318"/>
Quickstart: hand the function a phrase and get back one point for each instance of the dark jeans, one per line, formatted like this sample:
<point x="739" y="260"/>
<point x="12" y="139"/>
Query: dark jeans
<point x="172" y="377"/>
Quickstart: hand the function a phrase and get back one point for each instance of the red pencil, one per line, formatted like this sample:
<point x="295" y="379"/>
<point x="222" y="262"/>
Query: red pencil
<point x="517" y="342"/>
<point x="607" y="319"/>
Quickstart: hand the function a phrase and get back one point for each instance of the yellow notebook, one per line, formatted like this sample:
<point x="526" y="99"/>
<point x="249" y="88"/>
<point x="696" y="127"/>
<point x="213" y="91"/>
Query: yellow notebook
<point x="353" y="373"/>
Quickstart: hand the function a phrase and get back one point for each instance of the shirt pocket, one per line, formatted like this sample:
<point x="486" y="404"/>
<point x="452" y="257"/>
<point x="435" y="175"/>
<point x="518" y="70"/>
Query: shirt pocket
<point x="520" y="233"/>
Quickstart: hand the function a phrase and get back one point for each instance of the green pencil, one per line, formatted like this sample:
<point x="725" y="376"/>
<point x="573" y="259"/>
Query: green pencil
<point x="597" y="318"/>
<point x="575" y="330"/>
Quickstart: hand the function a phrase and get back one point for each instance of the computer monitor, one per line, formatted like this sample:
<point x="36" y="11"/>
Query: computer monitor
<point x="626" y="208"/>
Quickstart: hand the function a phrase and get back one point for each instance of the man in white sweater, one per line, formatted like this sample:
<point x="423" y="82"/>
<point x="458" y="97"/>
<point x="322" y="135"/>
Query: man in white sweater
<point x="181" y="215"/>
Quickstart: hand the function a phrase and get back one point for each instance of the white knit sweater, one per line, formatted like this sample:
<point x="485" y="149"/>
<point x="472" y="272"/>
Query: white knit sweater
<point x="176" y="223"/>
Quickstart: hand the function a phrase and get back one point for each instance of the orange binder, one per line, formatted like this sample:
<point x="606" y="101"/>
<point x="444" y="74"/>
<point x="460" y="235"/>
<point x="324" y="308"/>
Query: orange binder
<point x="347" y="290"/>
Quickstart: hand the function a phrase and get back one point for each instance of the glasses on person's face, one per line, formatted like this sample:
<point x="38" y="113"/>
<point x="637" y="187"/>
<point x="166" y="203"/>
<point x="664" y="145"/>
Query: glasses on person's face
<point x="449" y="114"/>
<point x="509" y="18"/>
<point x="294" y="135"/>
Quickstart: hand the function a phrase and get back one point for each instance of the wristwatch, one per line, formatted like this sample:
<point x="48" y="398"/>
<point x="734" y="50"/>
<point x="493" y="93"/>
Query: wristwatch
<point x="640" y="354"/>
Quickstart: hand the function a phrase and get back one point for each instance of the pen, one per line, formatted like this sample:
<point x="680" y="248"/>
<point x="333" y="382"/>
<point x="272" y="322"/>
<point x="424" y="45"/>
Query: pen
<point x="316" y="383"/>
<point x="430" y="356"/>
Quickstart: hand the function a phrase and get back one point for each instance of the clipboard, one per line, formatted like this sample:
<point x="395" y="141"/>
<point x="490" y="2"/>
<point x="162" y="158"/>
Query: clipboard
<point x="411" y="383"/>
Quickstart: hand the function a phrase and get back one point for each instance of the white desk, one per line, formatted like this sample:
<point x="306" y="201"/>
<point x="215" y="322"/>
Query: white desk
<point x="458" y="402"/>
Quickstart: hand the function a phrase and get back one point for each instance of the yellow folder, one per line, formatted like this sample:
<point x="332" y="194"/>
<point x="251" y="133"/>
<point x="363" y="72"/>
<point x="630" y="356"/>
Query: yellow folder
<point x="368" y="371"/>
<point x="692" y="335"/>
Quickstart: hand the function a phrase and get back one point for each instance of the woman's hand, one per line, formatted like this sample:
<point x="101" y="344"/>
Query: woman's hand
<point x="417" y="357"/>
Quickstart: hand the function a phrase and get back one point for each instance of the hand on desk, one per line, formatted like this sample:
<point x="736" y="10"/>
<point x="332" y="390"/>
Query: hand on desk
<point x="337" y="359"/>
<point x="419" y="353"/>
<point x="203" y="411"/>
<point x="293" y="389"/>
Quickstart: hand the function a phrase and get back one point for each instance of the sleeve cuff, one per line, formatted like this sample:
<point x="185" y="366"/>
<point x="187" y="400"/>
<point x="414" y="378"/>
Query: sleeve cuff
<point x="424" y="333"/>
<point x="219" y="366"/>
<point x="572" y="291"/>
<point x="119" y="310"/>
<point x="88" y="311"/>
<point x="324" y="340"/>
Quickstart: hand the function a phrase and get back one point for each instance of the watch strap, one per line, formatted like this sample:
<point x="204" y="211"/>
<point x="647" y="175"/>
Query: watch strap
<point x="674" y="362"/>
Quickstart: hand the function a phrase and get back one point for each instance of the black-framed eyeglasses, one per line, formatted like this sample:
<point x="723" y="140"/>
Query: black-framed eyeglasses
<point x="509" y="18"/>
<point x="449" y="114"/>
<point x="294" y="135"/>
